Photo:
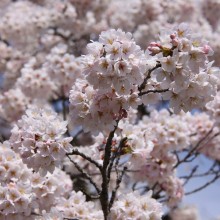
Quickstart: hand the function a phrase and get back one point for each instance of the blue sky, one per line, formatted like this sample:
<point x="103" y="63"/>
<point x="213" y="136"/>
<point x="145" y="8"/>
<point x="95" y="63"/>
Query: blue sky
<point x="207" y="200"/>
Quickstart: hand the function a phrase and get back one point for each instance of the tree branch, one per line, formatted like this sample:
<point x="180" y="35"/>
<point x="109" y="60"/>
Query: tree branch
<point x="153" y="91"/>
<point x="89" y="159"/>
<point x="86" y="175"/>
<point x="104" y="197"/>
<point x="203" y="186"/>
<point x="114" y="192"/>
<point x="190" y="153"/>
<point x="117" y="153"/>
<point x="142" y="86"/>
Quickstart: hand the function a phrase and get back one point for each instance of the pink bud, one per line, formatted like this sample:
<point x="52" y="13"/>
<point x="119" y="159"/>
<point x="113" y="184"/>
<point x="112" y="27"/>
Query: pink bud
<point x="207" y="50"/>
<point x="175" y="42"/>
<point x="153" y="44"/>
<point x="172" y="36"/>
<point x="154" y="50"/>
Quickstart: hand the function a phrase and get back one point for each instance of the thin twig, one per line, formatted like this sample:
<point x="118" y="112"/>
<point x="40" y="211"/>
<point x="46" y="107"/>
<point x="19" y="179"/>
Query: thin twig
<point x="114" y="192"/>
<point x="77" y="152"/>
<point x="203" y="186"/>
<point x="142" y="86"/>
<point x="76" y="136"/>
<point x="153" y="91"/>
<point x="193" y="149"/>
<point x="86" y="175"/>
<point x="91" y="197"/>
<point x="117" y="153"/>
<point x="190" y="175"/>
<point x="64" y="109"/>
<point x="210" y="171"/>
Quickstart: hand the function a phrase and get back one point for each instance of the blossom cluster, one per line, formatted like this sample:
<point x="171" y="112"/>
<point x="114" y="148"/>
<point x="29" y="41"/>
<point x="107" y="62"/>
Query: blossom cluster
<point x="147" y="152"/>
<point x="62" y="68"/>
<point x="150" y="145"/>
<point x="202" y="127"/>
<point x="114" y="68"/>
<point x="37" y="19"/>
<point x="130" y="206"/>
<point x="35" y="82"/>
<point x="24" y="192"/>
<point x="185" y="212"/>
<point x="12" y="60"/>
<point x="38" y="138"/>
<point x="185" y="70"/>
<point x="90" y="151"/>
<point x="77" y="207"/>
<point x="13" y="104"/>
<point x="115" y="88"/>
<point x="213" y="109"/>
<point x="134" y="206"/>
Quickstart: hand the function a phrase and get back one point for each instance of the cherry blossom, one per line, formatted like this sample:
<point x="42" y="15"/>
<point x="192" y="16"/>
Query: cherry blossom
<point x="37" y="137"/>
<point x="101" y="105"/>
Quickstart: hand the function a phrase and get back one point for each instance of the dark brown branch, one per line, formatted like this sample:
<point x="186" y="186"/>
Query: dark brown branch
<point x="203" y="186"/>
<point x="104" y="197"/>
<point x="157" y="195"/>
<point x="196" y="151"/>
<point x="76" y="136"/>
<point x="64" y="110"/>
<point x="98" y="174"/>
<point x="117" y="153"/>
<point x="70" y="218"/>
<point x="153" y="91"/>
<point x="210" y="171"/>
<point x="5" y="41"/>
<point x="89" y="159"/>
<point x="190" y="153"/>
<point x="86" y="175"/>
<point x="190" y="175"/>
<point x="91" y="197"/>
<point x="142" y="86"/>
<point x="211" y="138"/>
<point x="114" y="192"/>
<point x="65" y="218"/>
